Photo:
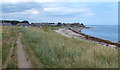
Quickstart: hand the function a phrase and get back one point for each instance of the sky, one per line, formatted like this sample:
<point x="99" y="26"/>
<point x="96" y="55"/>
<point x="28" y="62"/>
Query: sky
<point x="69" y="11"/>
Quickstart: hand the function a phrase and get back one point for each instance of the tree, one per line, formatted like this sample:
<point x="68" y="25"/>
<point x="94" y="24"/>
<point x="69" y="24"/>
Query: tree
<point x="59" y="24"/>
<point x="6" y="21"/>
<point x="25" y="21"/>
<point x="14" y="22"/>
<point x="82" y="25"/>
<point x="64" y="24"/>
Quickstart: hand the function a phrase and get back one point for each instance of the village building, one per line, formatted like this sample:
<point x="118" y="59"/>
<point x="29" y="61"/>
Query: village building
<point x="41" y="24"/>
<point x="23" y="24"/>
<point x="6" y="24"/>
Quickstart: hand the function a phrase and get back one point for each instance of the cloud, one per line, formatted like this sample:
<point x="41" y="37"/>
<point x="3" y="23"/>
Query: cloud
<point x="91" y="12"/>
<point x="41" y="1"/>
<point x="64" y="9"/>
<point x="30" y="11"/>
<point x="38" y="1"/>
<point x="46" y="11"/>
<point x="68" y="11"/>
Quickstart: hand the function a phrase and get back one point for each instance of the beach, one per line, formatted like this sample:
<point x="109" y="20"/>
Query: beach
<point x="75" y="34"/>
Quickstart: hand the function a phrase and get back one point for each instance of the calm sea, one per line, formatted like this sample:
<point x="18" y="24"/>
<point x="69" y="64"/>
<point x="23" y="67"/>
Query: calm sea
<point x="107" y="32"/>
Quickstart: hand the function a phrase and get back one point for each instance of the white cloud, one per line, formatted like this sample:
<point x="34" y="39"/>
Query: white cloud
<point x="23" y="15"/>
<point x="85" y="12"/>
<point x="17" y="1"/>
<point x="30" y="11"/>
<point x="93" y="0"/>
<point x="65" y="10"/>
<point x="51" y="9"/>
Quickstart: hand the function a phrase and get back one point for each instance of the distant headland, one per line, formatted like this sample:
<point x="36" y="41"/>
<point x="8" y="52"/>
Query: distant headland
<point x="26" y="23"/>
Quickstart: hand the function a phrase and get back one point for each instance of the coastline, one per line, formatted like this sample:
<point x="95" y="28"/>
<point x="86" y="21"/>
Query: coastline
<point x="59" y="47"/>
<point x="76" y="34"/>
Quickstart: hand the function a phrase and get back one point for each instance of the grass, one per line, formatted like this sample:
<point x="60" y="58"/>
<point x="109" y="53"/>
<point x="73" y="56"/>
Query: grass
<point x="12" y="65"/>
<point x="9" y="36"/>
<point x="57" y="51"/>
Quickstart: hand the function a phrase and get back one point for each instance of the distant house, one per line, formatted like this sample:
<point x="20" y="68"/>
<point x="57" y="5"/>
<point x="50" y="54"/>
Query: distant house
<point x="41" y="24"/>
<point x="6" y="24"/>
<point x="23" y="24"/>
<point x="75" y="24"/>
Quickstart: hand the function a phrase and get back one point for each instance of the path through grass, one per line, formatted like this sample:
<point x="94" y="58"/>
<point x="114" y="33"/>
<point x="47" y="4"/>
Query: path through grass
<point x="9" y="36"/>
<point x="57" y="51"/>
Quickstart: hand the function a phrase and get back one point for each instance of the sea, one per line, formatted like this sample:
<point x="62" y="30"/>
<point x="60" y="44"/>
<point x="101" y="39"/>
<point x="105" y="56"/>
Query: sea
<point x="106" y="32"/>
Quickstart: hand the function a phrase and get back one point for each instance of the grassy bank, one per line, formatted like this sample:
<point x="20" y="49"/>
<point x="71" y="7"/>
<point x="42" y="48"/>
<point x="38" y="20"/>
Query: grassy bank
<point x="56" y="51"/>
<point x="9" y="37"/>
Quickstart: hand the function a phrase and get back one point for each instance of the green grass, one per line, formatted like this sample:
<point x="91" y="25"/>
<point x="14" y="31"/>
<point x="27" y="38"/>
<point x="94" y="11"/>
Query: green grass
<point x="11" y="65"/>
<point x="57" y="51"/>
<point x="9" y="37"/>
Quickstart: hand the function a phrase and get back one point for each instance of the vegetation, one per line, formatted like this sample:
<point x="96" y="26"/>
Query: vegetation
<point x="59" y="24"/>
<point x="14" y="22"/>
<point x="25" y="21"/>
<point x="9" y="36"/>
<point x="57" y="51"/>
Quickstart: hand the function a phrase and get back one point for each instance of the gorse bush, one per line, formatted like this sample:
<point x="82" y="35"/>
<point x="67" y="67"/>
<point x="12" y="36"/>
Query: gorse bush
<point x="57" y="51"/>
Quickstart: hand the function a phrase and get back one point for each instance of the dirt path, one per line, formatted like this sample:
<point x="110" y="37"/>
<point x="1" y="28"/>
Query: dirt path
<point x="8" y="59"/>
<point x="21" y="55"/>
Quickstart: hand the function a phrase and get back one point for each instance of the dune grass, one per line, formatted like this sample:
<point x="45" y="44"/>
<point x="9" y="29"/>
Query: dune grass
<point x="57" y="51"/>
<point x="9" y="37"/>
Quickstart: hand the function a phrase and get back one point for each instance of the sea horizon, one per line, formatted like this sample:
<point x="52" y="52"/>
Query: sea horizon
<point x="106" y="32"/>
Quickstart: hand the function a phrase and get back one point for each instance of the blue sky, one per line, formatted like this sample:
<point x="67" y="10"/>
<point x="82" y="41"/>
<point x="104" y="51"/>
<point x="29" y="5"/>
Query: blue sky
<point x="90" y="13"/>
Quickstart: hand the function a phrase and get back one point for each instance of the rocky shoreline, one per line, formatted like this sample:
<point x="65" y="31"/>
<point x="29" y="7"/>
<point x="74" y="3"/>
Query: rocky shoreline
<point x="76" y="34"/>
<point x="100" y="41"/>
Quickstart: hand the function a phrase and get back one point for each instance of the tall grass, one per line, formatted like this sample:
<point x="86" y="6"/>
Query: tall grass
<point x="57" y="51"/>
<point x="9" y="36"/>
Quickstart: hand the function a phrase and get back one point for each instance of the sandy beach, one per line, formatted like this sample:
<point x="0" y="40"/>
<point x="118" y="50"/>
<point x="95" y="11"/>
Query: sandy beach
<point x="70" y="34"/>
